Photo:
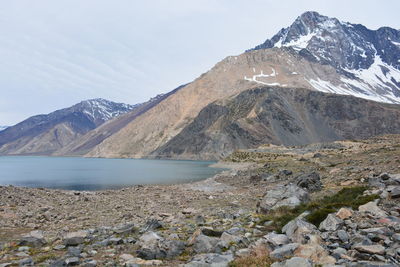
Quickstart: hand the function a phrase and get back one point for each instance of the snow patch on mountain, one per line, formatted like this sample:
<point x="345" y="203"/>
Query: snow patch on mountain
<point x="262" y="75"/>
<point x="379" y="75"/>
<point x="3" y="128"/>
<point x="102" y="109"/>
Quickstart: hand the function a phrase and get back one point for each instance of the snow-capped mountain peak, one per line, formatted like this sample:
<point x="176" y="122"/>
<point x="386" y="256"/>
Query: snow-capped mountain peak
<point x="340" y="44"/>
<point x="100" y="109"/>
<point x="367" y="61"/>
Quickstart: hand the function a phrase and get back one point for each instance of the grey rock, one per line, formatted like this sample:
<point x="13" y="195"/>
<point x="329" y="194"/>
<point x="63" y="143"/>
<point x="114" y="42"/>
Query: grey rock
<point x="205" y="244"/>
<point x="26" y="262"/>
<point x="211" y="232"/>
<point x="151" y="225"/>
<point x="155" y="247"/>
<point x="338" y="252"/>
<point x="72" y="261"/>
<point x="276" y="239"/>
<point x="283" y="195"/>
<point x="74" y="251"/>
<point x="33" y="239"/>
<point x="372" y="208"/>
<point x="124" y="228"/>
<point x="115" y="241"/>
<point x="371" y="249"/>
<point x="75" y="238"/>
<point x="293" y="262"/>
<point x="310" y="181"/>
<point x="210" y="260"/>
<point x="395" y="193"/>
<point x="343" y="235"/>
<point x="331" y="223"/>
<point x="89" y="263"/>
<point x="298" y="226"/>
<point x="200" y="220"/>
<point x="284" y="252"/>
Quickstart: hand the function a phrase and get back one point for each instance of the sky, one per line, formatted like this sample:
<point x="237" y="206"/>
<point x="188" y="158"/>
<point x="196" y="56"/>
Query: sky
<point x="54" y="54"/>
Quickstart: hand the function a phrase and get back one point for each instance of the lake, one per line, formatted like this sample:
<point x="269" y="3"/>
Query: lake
<point x="95" y="174"/>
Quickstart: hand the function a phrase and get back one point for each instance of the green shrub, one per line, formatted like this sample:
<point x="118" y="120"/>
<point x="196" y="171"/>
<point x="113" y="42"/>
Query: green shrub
<point x="351" y="197"/>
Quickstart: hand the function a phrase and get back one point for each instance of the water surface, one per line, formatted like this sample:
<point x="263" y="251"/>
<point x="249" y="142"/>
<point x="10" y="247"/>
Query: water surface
<point x="96" y="174"/>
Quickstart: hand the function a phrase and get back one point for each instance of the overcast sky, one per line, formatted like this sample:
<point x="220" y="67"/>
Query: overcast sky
<point x="54" y="54"/>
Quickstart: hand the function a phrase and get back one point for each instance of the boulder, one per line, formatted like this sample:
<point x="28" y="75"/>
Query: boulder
<point x="331" y="223"/>
<point x="276" y="239"/>
<point x="284" y="251"/>
<point x="314" y="251"/>
<point x="293" y="262"/>
<point x="297" y="229"/>
<point x="210" y="260"/>
<point x="124" y="228"/>
<point x="372" y="208"/>
<point x="235" y="239"/>
<point x="152" y="224"/>
<point x="282" y="195"/>
<point x="344" y="213"/>
<point x="152" y="246"/>
<point x="74" y="238"/>
<point x="33" y="239"/>
<point x="395" y="192"/>
<point x="205" y="244"/>
<point x="370" y="249"/>
<point x="310" y="181"/>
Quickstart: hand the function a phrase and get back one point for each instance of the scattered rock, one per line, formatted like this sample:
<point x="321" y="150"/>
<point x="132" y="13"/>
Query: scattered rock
<point x="283" y="195"/>
<point x="284" y="251"/>
<point x="75" y="238"/>
<point x="331" y="223"/>
<point x="124" y="228"/>
<point x="211" y="260"/>
<point x="373" y="209"/>
<point x="310" y="181"/>
<point x="33" y="239"/>
<point x="344" y="213"/>
<point x="293" y="262"/>
<point x="371" y="249"/>
<point x="276" y="239"/>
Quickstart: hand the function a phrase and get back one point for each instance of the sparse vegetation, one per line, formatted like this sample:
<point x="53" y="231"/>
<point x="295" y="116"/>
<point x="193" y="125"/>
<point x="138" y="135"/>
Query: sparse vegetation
<point x="259" y="258"/>
<point x="347" y="197"/>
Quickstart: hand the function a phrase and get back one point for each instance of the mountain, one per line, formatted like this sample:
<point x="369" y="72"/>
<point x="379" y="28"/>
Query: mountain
<point x="316" y="53"/>
<point x="3" y="128"/>
<point x="272" y="115"/>
<point x="44" y="134"/>
<point x="88" y="141"/>
<point x="368" y="60"/>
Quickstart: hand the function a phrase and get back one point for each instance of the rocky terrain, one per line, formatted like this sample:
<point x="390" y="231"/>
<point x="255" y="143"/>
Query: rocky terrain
<point x="327" y="204"/>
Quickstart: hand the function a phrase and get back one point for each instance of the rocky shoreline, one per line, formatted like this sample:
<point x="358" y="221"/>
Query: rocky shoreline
<point x="240" y="217"/>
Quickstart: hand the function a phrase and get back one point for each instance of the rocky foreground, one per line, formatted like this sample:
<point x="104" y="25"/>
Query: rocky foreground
<point x="331" y="204"/>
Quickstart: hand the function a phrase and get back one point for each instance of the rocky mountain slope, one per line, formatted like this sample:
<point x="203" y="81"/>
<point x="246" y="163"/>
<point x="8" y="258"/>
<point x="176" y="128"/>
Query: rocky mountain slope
<point x="44" y="134"/>
<point x="273" y="115"/>
<point x="316" y="53"/>
<point x="88" y="141"/>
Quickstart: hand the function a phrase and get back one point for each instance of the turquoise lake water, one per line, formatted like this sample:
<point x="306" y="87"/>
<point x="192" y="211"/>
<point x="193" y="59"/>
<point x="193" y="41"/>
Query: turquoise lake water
<point x="97" y="174"/>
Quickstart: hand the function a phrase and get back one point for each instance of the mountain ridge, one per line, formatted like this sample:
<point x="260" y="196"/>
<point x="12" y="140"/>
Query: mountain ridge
<point x="45" y="133"/>
<point x="284" y="66"/>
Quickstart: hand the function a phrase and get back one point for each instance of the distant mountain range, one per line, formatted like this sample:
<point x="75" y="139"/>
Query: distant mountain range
<point x="3" y="128"/>
<point x="268" y="94"/>
<point x="45" y="134"/>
